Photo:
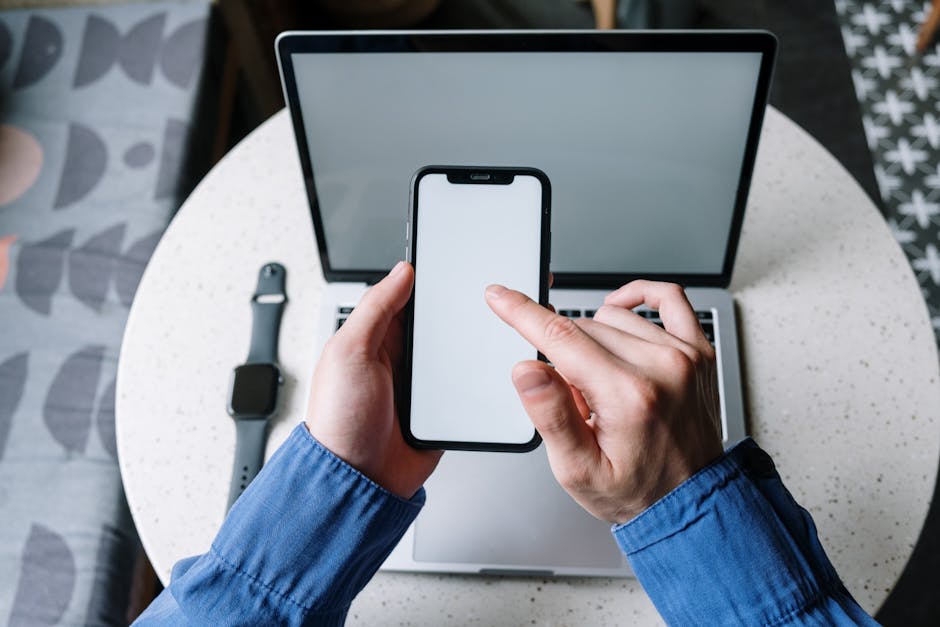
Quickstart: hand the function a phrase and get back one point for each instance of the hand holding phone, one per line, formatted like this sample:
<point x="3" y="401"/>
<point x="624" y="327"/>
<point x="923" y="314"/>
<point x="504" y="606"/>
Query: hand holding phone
<point x="351" y="409"/>
<point x="471" y="227"/>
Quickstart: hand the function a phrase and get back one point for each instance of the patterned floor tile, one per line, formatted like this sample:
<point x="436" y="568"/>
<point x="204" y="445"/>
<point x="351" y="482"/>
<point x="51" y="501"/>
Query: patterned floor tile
<point x="898" y="93"/>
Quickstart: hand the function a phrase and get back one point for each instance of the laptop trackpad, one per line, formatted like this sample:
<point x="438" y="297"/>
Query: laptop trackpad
<point x="505" y="509"/>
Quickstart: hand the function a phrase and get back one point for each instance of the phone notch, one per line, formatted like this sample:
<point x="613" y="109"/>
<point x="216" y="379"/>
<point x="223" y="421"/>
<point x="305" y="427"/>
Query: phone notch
<point x="481" y="177"/>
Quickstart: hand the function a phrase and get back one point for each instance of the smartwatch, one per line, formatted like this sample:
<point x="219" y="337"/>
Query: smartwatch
<point x="253" y="386"/>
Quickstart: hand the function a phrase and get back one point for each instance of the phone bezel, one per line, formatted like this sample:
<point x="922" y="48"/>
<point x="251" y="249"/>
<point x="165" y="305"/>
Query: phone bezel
<point x="461" y="175"/>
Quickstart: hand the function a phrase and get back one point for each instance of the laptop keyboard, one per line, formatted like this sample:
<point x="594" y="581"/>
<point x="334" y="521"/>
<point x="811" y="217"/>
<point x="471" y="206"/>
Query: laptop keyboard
<point x="705" y="318"/>
<point x="341" y="314"/>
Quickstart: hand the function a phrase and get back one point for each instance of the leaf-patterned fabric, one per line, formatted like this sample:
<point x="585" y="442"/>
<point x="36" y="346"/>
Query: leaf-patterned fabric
<point x="95" y="111"/>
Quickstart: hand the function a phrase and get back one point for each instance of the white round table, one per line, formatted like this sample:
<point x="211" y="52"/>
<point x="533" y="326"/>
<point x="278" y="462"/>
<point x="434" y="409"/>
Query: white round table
<point x="840" y="373"/>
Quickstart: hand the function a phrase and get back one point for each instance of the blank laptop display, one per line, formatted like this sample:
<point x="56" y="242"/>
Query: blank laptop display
<point x="627" y="138"/>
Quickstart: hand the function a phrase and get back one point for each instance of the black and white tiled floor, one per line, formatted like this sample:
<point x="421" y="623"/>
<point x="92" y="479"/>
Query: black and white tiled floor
<point x="898" y="94"/>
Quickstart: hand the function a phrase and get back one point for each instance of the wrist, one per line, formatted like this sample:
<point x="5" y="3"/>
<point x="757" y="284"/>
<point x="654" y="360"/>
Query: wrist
<point x="674" y="473"/>
<point x="364" y="460"/>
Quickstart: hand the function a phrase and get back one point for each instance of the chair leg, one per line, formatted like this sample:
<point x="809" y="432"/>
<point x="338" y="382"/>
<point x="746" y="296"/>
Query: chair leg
<point x="145" y="586"/>
<point x="605" y="13"/>
<point x="929" y="29"/>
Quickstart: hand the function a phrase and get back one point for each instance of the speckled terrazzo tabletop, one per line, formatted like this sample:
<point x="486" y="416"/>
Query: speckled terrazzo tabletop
<point x="840" y="367"/>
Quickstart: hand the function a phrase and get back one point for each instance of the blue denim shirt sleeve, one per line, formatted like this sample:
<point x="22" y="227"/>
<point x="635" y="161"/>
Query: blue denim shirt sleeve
<point x="296" y="548"/>
<point x="730" y="546"/>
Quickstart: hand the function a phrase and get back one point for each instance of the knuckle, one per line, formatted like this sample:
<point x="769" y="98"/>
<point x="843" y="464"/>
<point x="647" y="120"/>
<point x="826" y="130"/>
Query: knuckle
<point x="674" y="291"/>
<point x="603" y="313"/>
<point x="560" y="329"/>
<point x="648" y="396"/>
<point x="707" y="353"/>
<point x="345" y="346"/>
<point x="552" y="425"/>
<point x="383" y="309"/>
<point x="681" y="364"/>
<point x="696" y="357"/>
<point x="700" y="356"/>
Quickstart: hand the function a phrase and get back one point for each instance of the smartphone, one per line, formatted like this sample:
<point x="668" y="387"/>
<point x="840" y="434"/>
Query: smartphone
<point x="470" y="227"/>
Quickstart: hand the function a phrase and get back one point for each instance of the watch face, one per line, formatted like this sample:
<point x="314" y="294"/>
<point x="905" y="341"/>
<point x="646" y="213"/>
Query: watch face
<point x="254" y="390"/>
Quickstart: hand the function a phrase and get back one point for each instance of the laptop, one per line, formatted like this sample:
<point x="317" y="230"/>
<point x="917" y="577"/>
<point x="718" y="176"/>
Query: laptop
<point x="649" y="140"/>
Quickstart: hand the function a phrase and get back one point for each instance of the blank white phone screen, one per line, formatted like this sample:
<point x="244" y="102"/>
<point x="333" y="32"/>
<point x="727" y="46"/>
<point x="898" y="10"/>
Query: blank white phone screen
<point x="467" y="236"/>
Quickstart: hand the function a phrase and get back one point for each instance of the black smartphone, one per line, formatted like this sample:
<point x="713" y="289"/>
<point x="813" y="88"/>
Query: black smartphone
<point x="470" y="227"/>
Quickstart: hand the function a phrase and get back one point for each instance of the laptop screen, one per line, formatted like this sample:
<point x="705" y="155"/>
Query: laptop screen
<point x="645" y="150"/>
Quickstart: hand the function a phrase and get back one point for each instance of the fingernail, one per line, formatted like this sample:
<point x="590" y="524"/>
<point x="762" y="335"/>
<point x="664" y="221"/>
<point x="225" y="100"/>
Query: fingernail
<point x="397" y="269"/>
<point x="495" y="291"/>
<point x="532" y="382"/>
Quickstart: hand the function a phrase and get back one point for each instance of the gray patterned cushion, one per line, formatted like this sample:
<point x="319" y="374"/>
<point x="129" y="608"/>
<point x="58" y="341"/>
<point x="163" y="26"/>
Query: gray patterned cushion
<point x="95" y="105"/>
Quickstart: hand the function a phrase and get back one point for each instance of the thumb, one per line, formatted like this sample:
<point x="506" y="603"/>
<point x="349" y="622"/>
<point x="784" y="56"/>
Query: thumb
<point x="370" y="319"/>
<point x="551" y="406"/>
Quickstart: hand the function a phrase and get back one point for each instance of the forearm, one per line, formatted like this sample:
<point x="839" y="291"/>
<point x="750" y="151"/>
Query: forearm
<point x="731" y="546"/>
<point x="304" y="538"/>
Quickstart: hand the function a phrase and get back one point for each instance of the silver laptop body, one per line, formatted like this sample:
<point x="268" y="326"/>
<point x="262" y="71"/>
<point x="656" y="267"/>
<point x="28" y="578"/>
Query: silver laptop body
<point x="649" y="139"/>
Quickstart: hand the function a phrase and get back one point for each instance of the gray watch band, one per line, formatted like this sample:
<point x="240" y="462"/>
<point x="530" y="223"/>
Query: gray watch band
<point x="250" y="438"/>
<point x="266" y="307"/>
<point x="267" y="304"/>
